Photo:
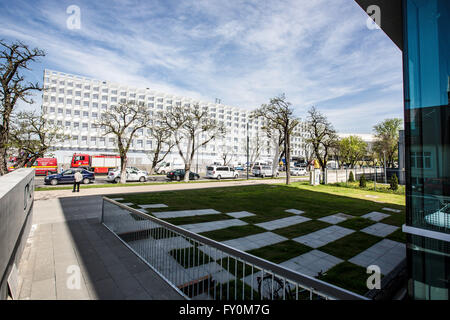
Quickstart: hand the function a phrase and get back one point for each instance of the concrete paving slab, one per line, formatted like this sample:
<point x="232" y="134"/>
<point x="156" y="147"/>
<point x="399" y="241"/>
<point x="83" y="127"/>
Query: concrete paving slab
<point x="213" y="225"/>
<point x="152" y="206"/>
<point x="391" y="210"/>
<point x="375" y="216"/>
<point x="240" y="214"/>
<point x="250" y="242"/>
<point x="184" y="213"/>
<point x="322" y="237"/>
<point x="294" y="211"/>
<point x="281" y="223"/>
<point x="380" y="229"/>
<point x="336" y="218"/>
<point x="386" y="254"/>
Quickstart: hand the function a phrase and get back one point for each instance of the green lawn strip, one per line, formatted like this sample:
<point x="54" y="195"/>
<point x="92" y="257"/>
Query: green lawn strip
<point x="380" y="187"/>
<point x="350" y="245"/>
<point x="198" y="219"/>
<point x="398" y="236"/>
<point x="384" y="198"/>
<point x="347" y="275"/>
<point x="281" y="251"/>
<point x="356" y="223"/>
<point x="301" y="229"/>
<point x="396" y="219"/>
<point x="190" y="257"/>
<point x="233" y="232"/>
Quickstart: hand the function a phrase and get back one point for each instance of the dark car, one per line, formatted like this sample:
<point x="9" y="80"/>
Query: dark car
<point x="179" y="175"/>
<point x="67" y="176"/>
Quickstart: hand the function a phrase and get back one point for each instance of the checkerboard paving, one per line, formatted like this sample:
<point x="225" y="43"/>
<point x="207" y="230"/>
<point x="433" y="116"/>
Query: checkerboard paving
<point x="255" y="241"/>
<point x="336" y="218"/>
<point x="184" y="213"/>
<point x="152" y="206"/>
<point x="386" y="254"/>
<point x="312" y="262"/>
<point x="240" y="214"/>
<point x="213" y="225"/>
<point x="323" y="236"/>
<point x="392" y="210"/>
<point x="380" y="229"/>
<point x="294" y="211"/>
<point x="116" y="199"/>
<point x="281" y="223"/>
<point x="375" y="216"/>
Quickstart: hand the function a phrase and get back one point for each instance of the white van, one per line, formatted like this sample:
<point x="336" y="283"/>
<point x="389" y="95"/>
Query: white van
<point x="166" y="167"/>
<point x="263" y="171"/>
<point x="219" y="172"/>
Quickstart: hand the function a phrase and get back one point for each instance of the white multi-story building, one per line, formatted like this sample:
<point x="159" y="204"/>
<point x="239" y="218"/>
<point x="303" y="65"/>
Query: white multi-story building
<point x="74" y="103"/>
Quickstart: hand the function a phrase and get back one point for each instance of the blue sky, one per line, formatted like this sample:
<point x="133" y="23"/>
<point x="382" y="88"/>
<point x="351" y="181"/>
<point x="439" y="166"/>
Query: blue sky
<point x="317" y="52"/>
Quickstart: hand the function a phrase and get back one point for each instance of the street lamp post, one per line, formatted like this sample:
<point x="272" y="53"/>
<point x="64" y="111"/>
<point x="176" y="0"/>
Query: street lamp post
<point x="384" y="160"/>
<point x="248" y="142"/>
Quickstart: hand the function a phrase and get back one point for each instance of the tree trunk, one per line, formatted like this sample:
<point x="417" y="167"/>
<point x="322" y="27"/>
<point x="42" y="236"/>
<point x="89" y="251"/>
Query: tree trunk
<point x="3" y="153"/>
<point x="123" y="168"/>
<point x="287" y="156"/>
<point x="187" y="171"/>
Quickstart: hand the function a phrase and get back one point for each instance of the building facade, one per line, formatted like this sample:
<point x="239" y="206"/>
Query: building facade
<point x="426" y="59"/>
<point x="74" y="104"/>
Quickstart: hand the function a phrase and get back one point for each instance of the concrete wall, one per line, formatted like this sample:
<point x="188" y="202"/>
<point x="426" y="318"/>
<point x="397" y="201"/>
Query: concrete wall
<point x="16" y="208"/>
<point x="341" y="175"/>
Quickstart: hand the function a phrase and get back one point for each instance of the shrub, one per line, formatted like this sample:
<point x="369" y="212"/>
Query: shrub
<point x="351" y="177"/>
<point x="362" y="181"/>
<point x="394" y="182"/>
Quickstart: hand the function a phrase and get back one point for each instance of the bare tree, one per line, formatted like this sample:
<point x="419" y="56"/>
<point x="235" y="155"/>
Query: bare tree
<point x="187" y="124"/>
<point x="163" y="145"/>
<point x="123" y="121"/>
<point x="276" y="137"/>
<point x="254" y="149"/>
<point x="13" y="58"/>
<point x="32" y="136"/>
<point x="279" y="115"/>
<point x="321" y="136"/>
<point x="226" y="155"/>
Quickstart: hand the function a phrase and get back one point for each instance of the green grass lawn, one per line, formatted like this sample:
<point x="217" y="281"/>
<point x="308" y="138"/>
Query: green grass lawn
<point x="269" y="202"/>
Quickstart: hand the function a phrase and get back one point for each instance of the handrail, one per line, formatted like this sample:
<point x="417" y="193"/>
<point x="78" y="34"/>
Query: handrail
<point x="315" y="285"/>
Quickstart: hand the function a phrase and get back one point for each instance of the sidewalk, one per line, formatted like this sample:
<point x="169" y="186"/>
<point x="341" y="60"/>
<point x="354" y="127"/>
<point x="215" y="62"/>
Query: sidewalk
<point x="67" y="236"/>
<point x="52" y="194"/>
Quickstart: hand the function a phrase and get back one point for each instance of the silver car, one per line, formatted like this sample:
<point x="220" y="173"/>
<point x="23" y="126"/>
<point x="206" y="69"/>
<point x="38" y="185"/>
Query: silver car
<point x="133" y="174"/>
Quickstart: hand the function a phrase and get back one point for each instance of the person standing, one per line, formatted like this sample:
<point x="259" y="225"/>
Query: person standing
<point x="77" y="181"/>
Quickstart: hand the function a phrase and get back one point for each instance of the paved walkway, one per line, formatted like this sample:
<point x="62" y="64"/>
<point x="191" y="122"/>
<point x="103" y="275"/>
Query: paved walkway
<point x="323" y="236"/>
<point x="66" y="240"/>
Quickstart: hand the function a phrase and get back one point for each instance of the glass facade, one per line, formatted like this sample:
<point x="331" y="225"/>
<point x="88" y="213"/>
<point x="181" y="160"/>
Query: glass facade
<point x="427" y="128"/>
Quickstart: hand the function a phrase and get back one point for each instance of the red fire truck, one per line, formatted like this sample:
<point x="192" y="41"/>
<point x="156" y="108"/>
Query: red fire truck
<point x="98" y="163"/>
<point x="43" y="166"/>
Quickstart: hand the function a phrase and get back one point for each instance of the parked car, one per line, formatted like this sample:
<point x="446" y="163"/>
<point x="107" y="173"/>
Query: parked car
<point x="178" y="175"/>
<point x="263" y="171"/>
<point x="166" y="167"/>
<point x="133" y="174"/>
<point x="219" y="172"/>
<point x="67" y="176"/>
<point x="297" y="171"/>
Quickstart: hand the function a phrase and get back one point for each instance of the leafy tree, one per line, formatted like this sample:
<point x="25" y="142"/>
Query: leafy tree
<point x="321" y="136"/>
<point x="163" y="145"/>
<point x="386" y="135"/>
<point x="187" y="124"/>
<point x="123" y="121"/>
<point x="394" y="182"/>
<point x="279" y="115"/>
<point x="14" y="58"/>
<point x="32" y="136"/>
<point x="362" y="181"/>
<point x="351" y="150"/>
<point x="351" y="177"/>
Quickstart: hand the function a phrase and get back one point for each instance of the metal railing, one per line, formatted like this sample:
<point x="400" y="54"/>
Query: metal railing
<point x="201" y="268"/>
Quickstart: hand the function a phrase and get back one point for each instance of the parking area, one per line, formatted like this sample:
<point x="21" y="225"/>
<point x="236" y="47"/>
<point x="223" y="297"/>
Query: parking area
<point x="101" y="179"/>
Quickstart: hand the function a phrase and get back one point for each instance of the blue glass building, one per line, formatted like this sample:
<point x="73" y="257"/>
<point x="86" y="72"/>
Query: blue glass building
<point x="424" y="36"/>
